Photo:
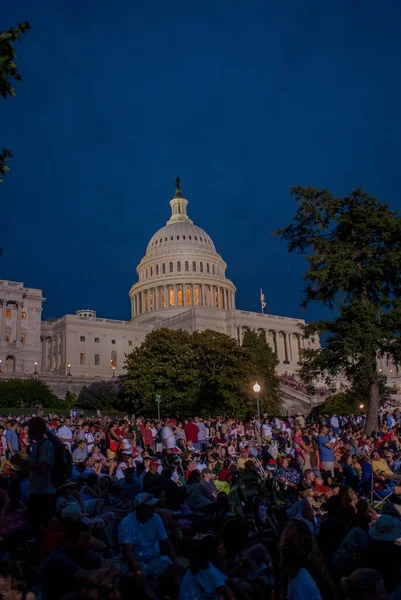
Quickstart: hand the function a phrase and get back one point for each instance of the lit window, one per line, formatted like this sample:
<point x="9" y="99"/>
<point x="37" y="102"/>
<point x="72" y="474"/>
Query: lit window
<point x="8" y="313"/>
<point x="171" y="297"/>
<point x="145" y="301"/>
<point x="23" y="315"/>
<point x="97" y="359"/>
<point x="113" y="360"/>
<point x="194" y="266"/>
<point x="82" y="338"/>
<point x="188" y="296"/>
<point x="186" y="266"/>
<point x="179" y="297"/>
<point x="82" y="358"/>
<point x="216" y="296"/>
<point x="163" y="299"/>
<point x="97" y="340"/>
<point x="197" y="297"/>
<point x="129" y="342"/>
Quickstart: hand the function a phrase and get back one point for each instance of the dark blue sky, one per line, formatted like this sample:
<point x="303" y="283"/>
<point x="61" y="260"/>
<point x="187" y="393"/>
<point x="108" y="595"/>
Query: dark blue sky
<point x="241" y="99"/>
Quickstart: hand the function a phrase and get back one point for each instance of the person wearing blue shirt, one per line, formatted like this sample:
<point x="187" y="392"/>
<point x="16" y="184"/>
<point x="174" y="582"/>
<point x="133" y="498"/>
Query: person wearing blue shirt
<point x="12" y="439"/>
<point x="144" y="542"/>
<point x="326" y="451"/>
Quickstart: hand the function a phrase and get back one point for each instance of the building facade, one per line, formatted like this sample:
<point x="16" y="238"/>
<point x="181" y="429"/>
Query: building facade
<point x="182" y="284"/>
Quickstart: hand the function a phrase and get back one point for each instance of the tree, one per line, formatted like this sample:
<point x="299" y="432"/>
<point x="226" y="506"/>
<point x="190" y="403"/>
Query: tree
<point x="162" y="364"/>
<point x="101" y="395"/>
<point x="8" y="74"/>
<point x="262" y="369"/>
<point x="353" y="248"/>
<point x="206" y="373"/>
<point x="70" y="399"/>
<point x="27" y="393"/>
<point x="223" y="375"/>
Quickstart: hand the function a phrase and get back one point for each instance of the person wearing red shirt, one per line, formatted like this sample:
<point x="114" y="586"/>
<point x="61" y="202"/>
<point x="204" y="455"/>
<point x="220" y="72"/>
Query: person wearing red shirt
<point x="147" y="434"/>
<point x="23" y="437"/>
<point x="192" y="433"/>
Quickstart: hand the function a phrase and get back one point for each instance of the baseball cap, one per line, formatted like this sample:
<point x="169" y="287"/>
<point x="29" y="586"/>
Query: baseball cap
<point x="145" y="498"/>
<point x="154" y="463"/>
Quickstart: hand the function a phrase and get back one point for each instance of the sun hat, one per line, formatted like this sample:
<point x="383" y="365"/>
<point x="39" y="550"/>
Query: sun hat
<point x="386" y="529"/>
<point x="66" y="484"/>
<point x="145" y="498"/>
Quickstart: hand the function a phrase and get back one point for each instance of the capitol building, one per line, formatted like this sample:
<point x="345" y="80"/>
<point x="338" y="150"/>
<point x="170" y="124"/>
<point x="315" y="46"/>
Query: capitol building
<point x="181" y="284"/>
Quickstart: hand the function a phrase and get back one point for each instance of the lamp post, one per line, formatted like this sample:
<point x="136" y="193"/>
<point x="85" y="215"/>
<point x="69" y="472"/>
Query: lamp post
<point x="36" y="368"/>
<point x="256" y="389"/>
<point x="114" y="369"/>
<point x="1" y="364"/>
<point x="69" y="369"/>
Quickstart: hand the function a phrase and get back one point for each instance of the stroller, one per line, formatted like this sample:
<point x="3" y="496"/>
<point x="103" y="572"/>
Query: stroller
<point x="249" y="499"/>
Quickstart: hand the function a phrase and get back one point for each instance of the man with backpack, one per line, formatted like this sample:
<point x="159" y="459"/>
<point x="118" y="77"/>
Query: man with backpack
<point x="42" y="493"/>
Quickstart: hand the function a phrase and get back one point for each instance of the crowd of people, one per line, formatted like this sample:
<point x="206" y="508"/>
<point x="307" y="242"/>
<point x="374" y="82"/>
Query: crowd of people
<point x="282" y="507"/>
<point x="297" y="384"/>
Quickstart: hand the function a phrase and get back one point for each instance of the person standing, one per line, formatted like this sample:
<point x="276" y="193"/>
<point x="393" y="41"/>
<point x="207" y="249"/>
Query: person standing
<point x="192" y="433"/>
<point x="12" y="439"/>
<point x="42" y="493"/>
<point x="65" y="433"/>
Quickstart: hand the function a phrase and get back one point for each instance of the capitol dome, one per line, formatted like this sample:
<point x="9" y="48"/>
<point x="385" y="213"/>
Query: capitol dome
<point x="181" y="269"/>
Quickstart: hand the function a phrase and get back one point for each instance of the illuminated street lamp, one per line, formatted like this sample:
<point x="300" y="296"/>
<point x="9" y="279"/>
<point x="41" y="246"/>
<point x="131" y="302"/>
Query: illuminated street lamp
<point x="361" y="406"/>
<point x="1" y="365"/>
<point x="36" y="368"/>
<point x="256" y="388"/>
<point x="114" y="369"/>
<point x="69" y="369"/>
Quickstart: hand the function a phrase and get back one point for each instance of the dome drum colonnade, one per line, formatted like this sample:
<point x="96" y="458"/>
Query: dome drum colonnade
<point x="181" y="268"/>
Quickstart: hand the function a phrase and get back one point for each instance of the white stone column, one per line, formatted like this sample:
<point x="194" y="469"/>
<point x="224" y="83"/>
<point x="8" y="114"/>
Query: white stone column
<point x="3" y="322"/>
<point x="286" y="350"/>
<point x="276" y="342"/>
<point x="18" y="331"/>
<point x="43" y="365"/>
<point x="184" y="295"/>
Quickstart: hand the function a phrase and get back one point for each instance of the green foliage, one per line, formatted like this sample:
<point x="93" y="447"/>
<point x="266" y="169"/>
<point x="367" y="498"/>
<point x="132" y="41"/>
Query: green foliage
<point x="206" y="373"/>
<point x="353" y="249"/>
<point x="70" y="399"/>
<point x="263" y="370"/>
<point x="8" y="74"/>
<point x="100" y="395"/>
<point x="27" y="393"/>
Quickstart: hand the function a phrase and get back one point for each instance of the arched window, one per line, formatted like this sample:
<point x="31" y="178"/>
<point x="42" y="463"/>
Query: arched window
<point x="188" y="295"/>
<point x="146" y="273"/>
<point x="186" y="266"/>
<point x="151" y="271"/>
<point x="178" y="266"/>
<point x="208" y="268"/>
<point x="171" y="267"/>
<point x="201" y="267"/>
<point x="197" y="296"/>
<point x="145" y="301"/>
<point x="164" y="268"/>
<point x="113" y="360"/>
<point x="214" y="272"/>
<point x="157" y="269"/>
<point x="194" y="266"/>
<point x="171" y="297"/>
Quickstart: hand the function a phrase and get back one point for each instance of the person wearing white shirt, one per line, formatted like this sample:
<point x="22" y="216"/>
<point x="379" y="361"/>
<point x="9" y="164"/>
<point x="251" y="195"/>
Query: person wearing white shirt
<point x="65" y="433"/>
<point x="168" y="437"/>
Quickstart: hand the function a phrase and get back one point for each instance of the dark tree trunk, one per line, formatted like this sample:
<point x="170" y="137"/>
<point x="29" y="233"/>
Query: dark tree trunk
<point x="372" y="418"/>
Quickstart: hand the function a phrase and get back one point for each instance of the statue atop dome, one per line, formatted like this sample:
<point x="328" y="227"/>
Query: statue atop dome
<point x="178" y="193"/>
